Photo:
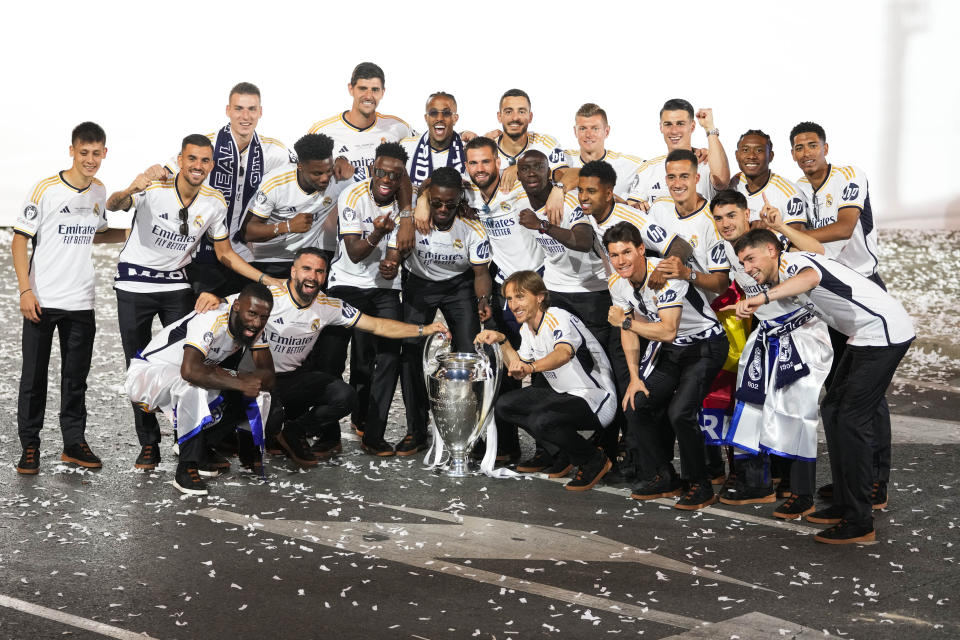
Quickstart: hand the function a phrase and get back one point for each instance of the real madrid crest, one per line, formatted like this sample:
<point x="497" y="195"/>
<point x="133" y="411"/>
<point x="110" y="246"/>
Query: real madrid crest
<point x="315" y="325"/>
<point x="505" y="206"/>
<point x="198" y="222"/>
<point x="756" y="367"/>
<point x="829" y="200"/>
<point x="327" y="201"/>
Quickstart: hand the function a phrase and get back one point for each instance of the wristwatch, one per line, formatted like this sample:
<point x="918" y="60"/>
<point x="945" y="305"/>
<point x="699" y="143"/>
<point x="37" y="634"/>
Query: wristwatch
<point x="627" y="323"/>
<point x="693" y="276"/>
<point x="405" y="213"/>
<point x="713" y="132"/>
<point x="559" y="185"/>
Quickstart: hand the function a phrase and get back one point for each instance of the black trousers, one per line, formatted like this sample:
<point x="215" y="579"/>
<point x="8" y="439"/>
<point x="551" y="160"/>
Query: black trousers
<point x="310" y="399"/>
<point x="593" y="307"/>
<point x="552" y="418"/>
<point x="853" y="413"/>
<point x="280" y="269"/>
<point x="135" y="313"/>
<point x="455" y="298"/>
<point x="502" y="320"/>
<point x="215" y="278"/>
<point x="76" y="330"/>
<point x="374" y="361"/>
<point x="677" y="385"/>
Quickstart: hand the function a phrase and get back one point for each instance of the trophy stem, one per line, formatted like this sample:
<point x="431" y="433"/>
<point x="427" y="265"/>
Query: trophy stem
<point x="459" y="466"/>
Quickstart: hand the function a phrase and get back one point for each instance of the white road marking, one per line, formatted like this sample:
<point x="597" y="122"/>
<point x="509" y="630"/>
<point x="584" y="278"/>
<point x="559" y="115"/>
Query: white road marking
<point x="71" y="620"/>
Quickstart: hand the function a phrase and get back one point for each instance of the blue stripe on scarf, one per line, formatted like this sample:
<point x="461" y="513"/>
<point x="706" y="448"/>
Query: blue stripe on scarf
<point x="422" y="166"/>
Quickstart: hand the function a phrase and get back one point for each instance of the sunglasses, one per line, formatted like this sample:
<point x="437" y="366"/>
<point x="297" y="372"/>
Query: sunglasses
<point x="383" y="173"/>
<point x="183" y="221"/>
<point x="433" y="113"/>
<point x="440" y="204"/>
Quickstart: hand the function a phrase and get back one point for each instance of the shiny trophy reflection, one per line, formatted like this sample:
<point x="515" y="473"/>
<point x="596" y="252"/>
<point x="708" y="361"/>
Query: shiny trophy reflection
<point x="461" y="387"/>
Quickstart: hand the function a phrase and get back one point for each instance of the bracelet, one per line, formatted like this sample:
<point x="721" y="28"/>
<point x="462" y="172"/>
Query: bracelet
<point x="533" y="367"/>
<point x="485" y="298"/>
<point x="503" y="341"/>
<point x="288" y="226"/>
<point x="276" y="230"/>
<point x="766" y="298"/>
<point x="260" y="279"/>
<point x="367" y="240"/>
<point x="24" y="291"/>
<point x="420" y="334"/>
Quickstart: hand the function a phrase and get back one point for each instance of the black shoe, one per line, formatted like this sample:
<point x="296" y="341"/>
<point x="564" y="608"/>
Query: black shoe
<point x="248" y="453"/>
<point x="878" y="497"/>
<point x="590" y="472"/>
<point x="272" y="446"/>
<point x="324" y="450"/>
<point x="508" y="456"/>
<point x="29" y="464"/>
<point x="826" y="491"/>
<point x="410" y="445"/>
<point x="831" y="515"/>
<point x="188" y="480"/>
<point x="846" y="532"/>
<point x="783" y="489"/>
<point x="479" y="450"/>
<point x="663" y="485"/>
<point x="380" y="448"/>
<point x="149" y="457"/>
<point x="622" y="472"/>
<point x="216" y="459"/>
<point x="698" y="496"/>
<point x="295" y="444"/>
<point x="560" y="468"/>
<point x="540" y="461"/>
<point x="796" y="506"/>
<point x="742" y="494"/>
<point x="209" y="470"/>
<point x="80" y="454"/>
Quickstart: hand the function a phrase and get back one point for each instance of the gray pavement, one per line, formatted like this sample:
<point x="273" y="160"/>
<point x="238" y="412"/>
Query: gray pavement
<point x="383" y="548"/>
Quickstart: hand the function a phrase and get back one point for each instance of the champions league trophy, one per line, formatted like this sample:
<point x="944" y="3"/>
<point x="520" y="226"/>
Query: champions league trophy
<point x="461" y="388"/>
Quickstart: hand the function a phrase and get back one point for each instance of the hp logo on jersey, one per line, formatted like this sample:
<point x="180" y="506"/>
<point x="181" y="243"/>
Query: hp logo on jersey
<point x="668" y="296"/>
<point x="656" y="233"/>
<point x="795" y="207"/>
<point x="850" y="192"/>
<point x="348" y="312"/>
<point x="483" y="251"/>
<point x="557" y="334"/>
<point x="718" y="254"/>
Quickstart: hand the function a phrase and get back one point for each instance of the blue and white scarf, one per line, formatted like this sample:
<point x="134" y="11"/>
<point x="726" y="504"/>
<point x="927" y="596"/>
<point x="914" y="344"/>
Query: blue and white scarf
<point x="772" y="348"/>
<point x="226" y="171"/>
<point x="422" y="166"/>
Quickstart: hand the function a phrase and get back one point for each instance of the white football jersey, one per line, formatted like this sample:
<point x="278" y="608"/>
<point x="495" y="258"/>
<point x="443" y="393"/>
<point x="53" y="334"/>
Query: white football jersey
<point x="275" y="156"/>
<point x="292" y="330"/>
<point x="781" y="193"/>
<point x="850" y="302"/>
<point x="650" y="181"/>
<point x="356" y="213"/>
<point x="207" y="332"/>
<point x="279" y="199"/>
<point x="698" y="322"/>
<point x="61" y="220"/>
<point x="845" y="186"/>
<point x="512" y="246"/>
<point x="541" y="142"/>
<point x="564" y="269"/>
<point x="155" y="254"/>
<point x="441" y="255"/>
<point x="696" y="228"/>
<point x="359" y="145"/>
<point x="624" y="164"/>
<point x="751" y="287"/>
<point x="656" y="236"/>
<point x="587" y="375"/>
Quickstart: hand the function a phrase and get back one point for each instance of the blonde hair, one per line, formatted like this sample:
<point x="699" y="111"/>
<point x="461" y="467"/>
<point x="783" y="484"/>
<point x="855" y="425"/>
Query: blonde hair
<point x="530" y="282"/>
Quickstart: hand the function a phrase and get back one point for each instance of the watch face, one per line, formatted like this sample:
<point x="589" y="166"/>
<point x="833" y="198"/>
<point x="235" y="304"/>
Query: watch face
<point x="627" y="322"/>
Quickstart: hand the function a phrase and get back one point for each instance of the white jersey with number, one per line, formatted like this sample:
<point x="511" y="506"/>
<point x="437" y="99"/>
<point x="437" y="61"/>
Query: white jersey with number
<point x="279" y="199"/>
<point x="587" y="375"/>
<point x="650" y="181"/>
<point x="359" y="145"/>
<point x="207" y="332"/>
<point x="441" y="255"/>
<point x="61" y="220"/>
<point x="623" y="164"/>
<point x="548" y="145"/>
<point x="698" y="229"/>
<point x="356" y="212"/>
<point x="781" y="193"/>
<point x="292" y="330"/>
<point x="513" y="247"/>
<point x="751" y="287"/>
<point x="850" y="302"/>
<point x="845" y="186"/>
<point x="698" y="322"/>
<point x="155" y="254"/>
<point x="656" y="235"/>
<point x="564" y="269"/>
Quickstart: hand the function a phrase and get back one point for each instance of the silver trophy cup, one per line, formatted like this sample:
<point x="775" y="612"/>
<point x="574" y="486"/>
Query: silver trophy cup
<point x="461" y="387"/>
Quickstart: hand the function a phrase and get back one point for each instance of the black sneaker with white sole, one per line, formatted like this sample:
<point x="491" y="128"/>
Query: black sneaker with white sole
<point x="188" y="480"/>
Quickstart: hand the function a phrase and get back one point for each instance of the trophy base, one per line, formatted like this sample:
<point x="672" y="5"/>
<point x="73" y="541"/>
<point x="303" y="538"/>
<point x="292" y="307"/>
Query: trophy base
<point x="454" y="469"/>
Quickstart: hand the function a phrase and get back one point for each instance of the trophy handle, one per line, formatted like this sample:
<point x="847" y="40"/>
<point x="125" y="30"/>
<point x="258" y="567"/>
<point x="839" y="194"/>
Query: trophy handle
<point x="430" y="353"/>
<point x="496" y="373"/>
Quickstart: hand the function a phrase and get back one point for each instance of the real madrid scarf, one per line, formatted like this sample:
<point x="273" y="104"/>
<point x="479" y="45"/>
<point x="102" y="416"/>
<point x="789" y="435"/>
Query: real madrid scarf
<point x="223" y="177"/>
<point x="773" y="349"/>
<point x="422" y="166"/>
